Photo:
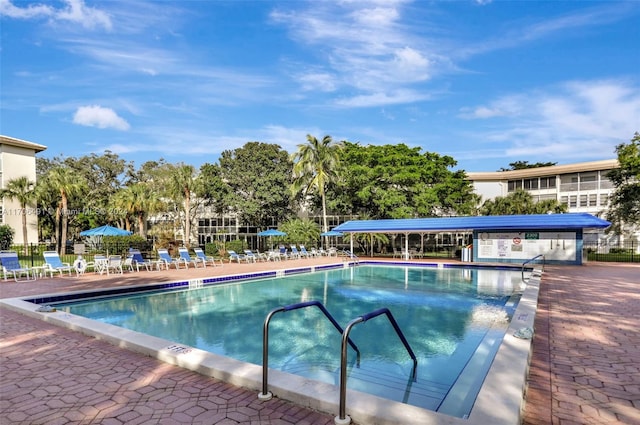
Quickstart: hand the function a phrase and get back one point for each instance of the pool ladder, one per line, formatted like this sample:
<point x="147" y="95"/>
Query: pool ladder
<point x="350" y="255"/>
<point x="536" y="271"/>
<point x="342" y="418"/>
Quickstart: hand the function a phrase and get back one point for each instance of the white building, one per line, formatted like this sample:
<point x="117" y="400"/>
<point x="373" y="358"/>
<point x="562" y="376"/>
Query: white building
<point x="18" y="159"/>
<point x="583" y="186"/>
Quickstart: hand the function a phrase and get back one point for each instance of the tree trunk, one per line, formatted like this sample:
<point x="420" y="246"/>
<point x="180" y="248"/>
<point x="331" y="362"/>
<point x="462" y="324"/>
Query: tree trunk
<point x="187" y="218"/>
<point x="25" y="240"/>
<point x="63" y="231"/>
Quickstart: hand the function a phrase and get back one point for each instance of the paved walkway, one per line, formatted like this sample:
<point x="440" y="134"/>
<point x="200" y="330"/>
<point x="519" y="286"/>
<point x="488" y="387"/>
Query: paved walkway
<point x="586" y="361"/>
<point x="585" y="366"/>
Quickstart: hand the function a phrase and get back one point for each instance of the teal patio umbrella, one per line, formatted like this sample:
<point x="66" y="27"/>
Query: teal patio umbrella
<point x="105" y="230"/>
<point x="271" y="233"/>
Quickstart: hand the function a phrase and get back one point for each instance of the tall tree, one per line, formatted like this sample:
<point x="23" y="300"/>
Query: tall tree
<point x="397" y="181"/>
<point x="23" y="190"/>
<point x="66" y="182"/>
<point x="316" y="164"/>
<point x="183" y="184"/>
<point x="253" y="180"/>
<point x="625" y="200"/>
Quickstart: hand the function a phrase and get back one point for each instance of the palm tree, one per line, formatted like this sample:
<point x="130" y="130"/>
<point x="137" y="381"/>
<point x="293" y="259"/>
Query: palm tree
<point x="138" y="200"/>
<point x="316" y="164"/>
<point x="23" y="190"/>
<point x="67" y="183"/>
<point x="182" y="184"/>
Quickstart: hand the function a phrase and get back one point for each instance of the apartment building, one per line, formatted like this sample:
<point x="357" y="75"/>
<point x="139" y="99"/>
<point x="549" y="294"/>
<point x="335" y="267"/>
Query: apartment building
<point x="18" y="159"/>
<point x="583" y="186"/>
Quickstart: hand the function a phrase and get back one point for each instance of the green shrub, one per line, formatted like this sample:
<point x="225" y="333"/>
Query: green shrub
<point x="6" y="237"/>
<point x="236" y="245"/>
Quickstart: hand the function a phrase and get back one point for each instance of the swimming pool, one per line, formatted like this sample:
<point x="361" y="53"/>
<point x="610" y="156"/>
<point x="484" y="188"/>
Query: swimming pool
<point x="453" y="318"/>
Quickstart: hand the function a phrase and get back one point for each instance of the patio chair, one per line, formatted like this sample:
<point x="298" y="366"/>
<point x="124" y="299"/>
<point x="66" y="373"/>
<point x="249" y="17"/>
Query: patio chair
<point x="138" y="260"/>
<point x="168" y="261"/>
<point x="207" y="258"/>
<point x="184" y="255"/>
<point x="250" y="256"/>
<point x="115" y="264"/>
<point x="273" y="256"/>
<point x="304" y="252"/>
<point x="294" y="252"/>
<point x="100" y="263"/>
<point x="283" y="253"/>
<point x="238" y="258"/>
<point x="11" y="266"/>
<point x="55" y="265"/>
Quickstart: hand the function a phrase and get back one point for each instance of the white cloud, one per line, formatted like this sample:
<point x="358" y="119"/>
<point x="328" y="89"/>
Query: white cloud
<point x="97" y="116"/>
<point x="76" y="11"/>
<point x="566" y="122"/>
<point x="32" y="11"/>
<point x="365" y="47"/>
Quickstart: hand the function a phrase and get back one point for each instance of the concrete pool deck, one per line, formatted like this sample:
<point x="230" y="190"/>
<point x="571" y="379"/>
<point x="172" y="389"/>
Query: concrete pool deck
<point x="584" y="367"/>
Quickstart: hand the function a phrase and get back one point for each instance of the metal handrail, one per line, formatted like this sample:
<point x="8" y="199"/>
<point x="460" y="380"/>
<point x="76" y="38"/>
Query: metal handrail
<point x="351" y="255"/>
<point x="265" y="394"/>
<point x="343" y="418"/>
<point x="529" y="261"/>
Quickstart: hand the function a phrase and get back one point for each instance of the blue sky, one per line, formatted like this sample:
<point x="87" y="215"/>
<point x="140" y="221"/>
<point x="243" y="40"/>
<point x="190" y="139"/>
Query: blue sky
<point x="486" y="82"/>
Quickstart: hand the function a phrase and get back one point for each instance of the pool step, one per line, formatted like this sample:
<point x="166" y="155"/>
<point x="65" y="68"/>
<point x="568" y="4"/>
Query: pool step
<point x="395" y="385"/>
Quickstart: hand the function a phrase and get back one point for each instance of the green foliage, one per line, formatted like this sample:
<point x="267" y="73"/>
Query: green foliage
<point x="237" y="245"/>
<point x="625" y="200"/>
<point x="522" y="165"/>
<point x="212" y="249"/>
<point x="257" y="176"/>
<point x="520" y="202"/>
<point x="301" y="231"/>
<point x="316" y="165"/>
<point x="6" y="236"/>
<point x="396" y="181"/>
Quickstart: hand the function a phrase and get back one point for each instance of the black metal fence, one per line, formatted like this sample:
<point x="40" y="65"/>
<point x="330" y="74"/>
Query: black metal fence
<point x="623" y="252"/>
<point x="33" y="254"/>
<point x="626" y="252"/>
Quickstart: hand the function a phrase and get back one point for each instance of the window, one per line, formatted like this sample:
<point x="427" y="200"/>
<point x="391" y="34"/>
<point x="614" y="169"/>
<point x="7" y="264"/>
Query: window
<point x="514" y="185"/>
<point x="593" y="200"/>
<point x="547" y="182"/>
<point x="604" y="199"/>
<point x="588" y="181"/>
<point x="564" y="200"/>
<point x="531" y="184"/>
<point x="573" y="201"/>
<point x="584" y="199"/>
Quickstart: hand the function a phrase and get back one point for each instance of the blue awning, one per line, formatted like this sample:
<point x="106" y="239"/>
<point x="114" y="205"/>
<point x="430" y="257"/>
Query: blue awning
<point x="569" y="221"/>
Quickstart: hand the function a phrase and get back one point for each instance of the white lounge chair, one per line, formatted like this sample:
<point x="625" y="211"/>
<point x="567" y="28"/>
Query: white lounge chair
<point x="238" y="258"/>
<point x="207" y="258"/>
<point x="184" y="255"/>
<point x="55" y="265"/>
<point x="11" y="266"/>
<point x="168" y="261"/>
<point x="138" y="260"/>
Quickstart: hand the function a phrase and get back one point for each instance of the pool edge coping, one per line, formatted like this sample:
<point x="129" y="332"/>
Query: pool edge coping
<point x="500" y="400"/>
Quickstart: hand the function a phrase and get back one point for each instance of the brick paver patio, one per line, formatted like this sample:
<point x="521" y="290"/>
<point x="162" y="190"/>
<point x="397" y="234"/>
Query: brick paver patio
<point x="585" y="366"/>
<point x="586" y="362"/>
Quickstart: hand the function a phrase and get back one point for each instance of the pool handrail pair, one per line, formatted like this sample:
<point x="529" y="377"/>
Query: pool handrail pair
<point x="265" y="394"/>
<point x="342" y="418"/>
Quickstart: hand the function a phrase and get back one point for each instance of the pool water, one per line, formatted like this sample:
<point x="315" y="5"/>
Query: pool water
<point x="453" y="318"/>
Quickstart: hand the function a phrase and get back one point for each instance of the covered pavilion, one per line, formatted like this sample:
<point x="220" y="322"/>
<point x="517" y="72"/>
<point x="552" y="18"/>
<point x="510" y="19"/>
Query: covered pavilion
<point x="500" y="238"/>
